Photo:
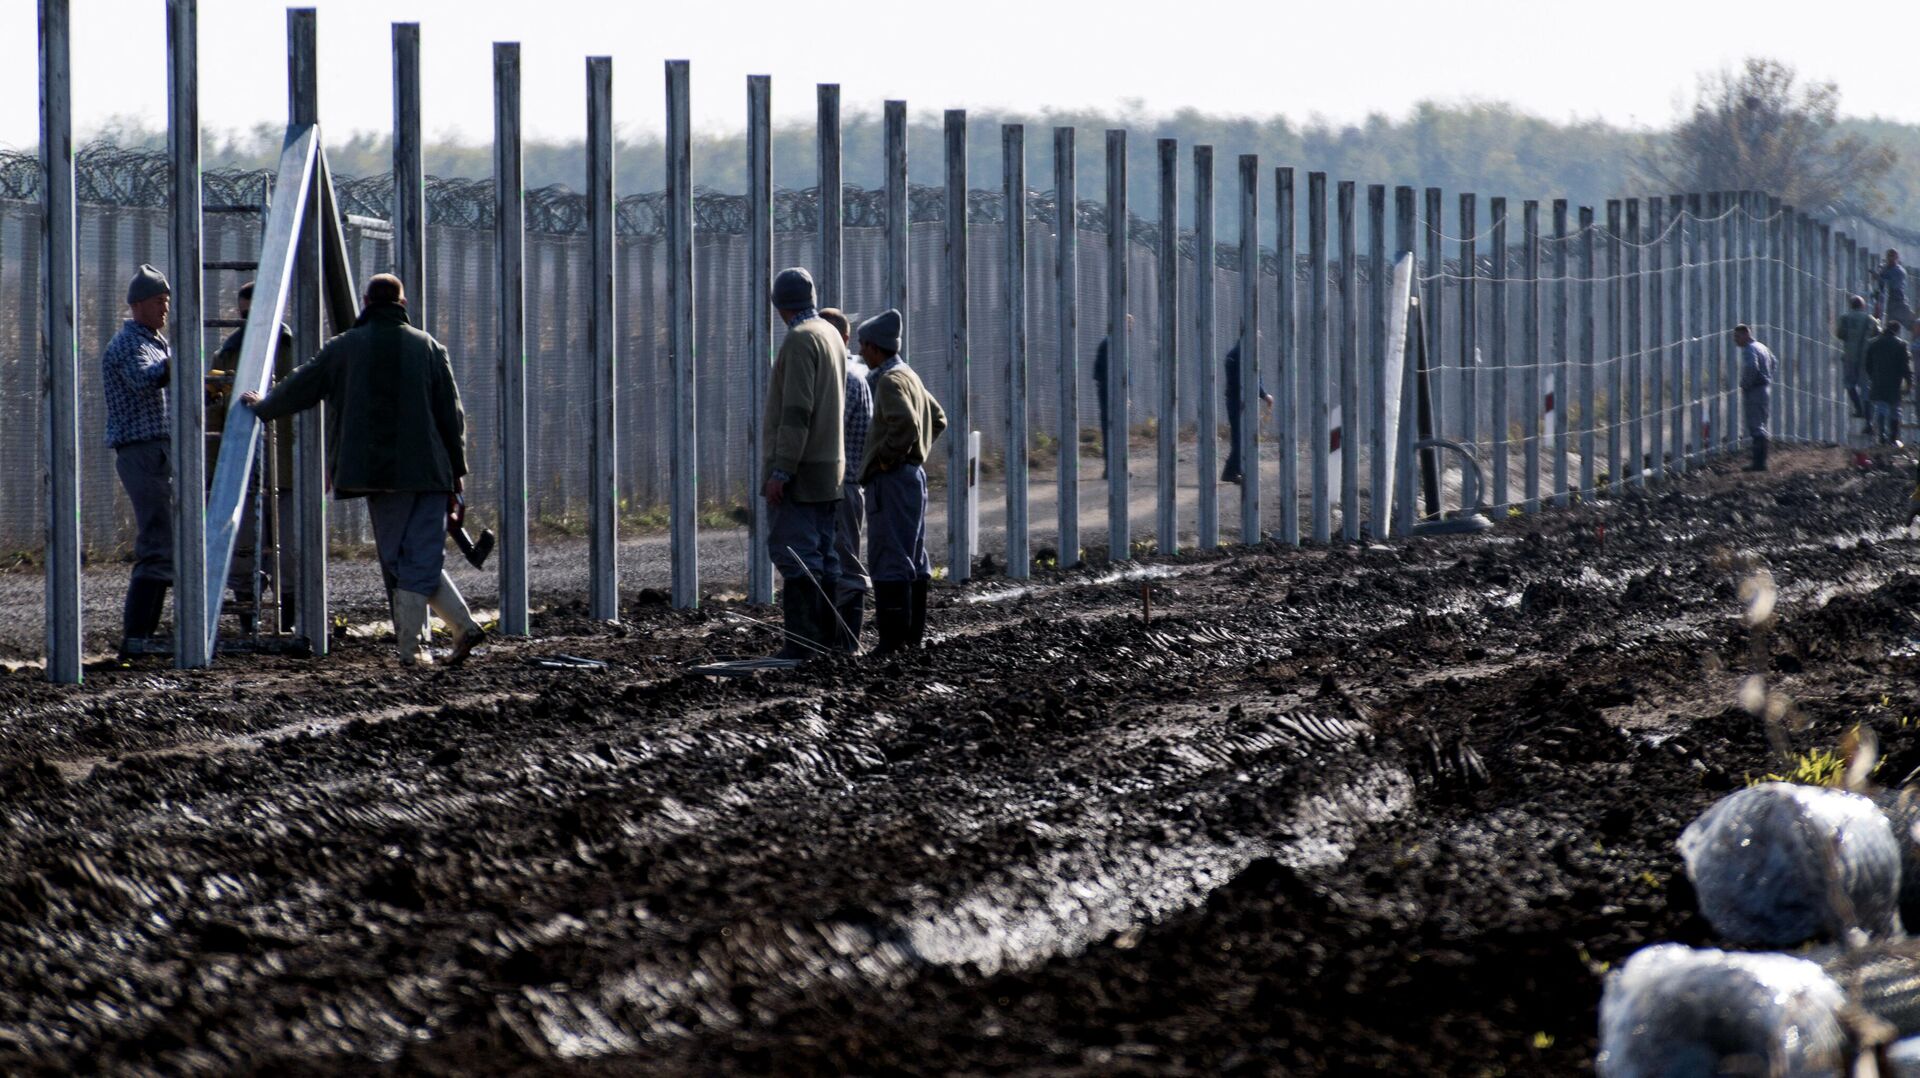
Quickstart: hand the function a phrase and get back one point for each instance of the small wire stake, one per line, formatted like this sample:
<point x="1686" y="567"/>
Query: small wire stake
<point x="1146" y="603"/>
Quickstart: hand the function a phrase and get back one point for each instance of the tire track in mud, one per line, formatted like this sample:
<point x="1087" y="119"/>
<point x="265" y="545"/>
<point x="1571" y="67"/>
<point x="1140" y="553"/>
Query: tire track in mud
<point x="629" y="869"/>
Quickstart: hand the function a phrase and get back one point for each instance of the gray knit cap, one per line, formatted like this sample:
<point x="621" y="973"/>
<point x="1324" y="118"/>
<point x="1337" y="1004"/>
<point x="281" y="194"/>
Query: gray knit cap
<point x="882" y="331"/>
<point x="793" y="289"/>
<point x="148" y="283"/>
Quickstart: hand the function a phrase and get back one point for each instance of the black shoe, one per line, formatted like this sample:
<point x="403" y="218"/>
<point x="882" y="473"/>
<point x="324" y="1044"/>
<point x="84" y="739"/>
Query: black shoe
<point x="146" y="601"/>
<point x="892" y="615"/>
<point x="1235" y="478"/>
<point x="917" y="613"/>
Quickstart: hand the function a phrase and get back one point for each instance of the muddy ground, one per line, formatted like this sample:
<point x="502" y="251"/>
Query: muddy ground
<point x="1342" y="811"/>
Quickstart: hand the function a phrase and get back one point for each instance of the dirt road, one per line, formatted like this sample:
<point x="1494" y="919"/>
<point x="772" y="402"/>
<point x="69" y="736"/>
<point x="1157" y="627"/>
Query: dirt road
<point x="1343" y="811"/>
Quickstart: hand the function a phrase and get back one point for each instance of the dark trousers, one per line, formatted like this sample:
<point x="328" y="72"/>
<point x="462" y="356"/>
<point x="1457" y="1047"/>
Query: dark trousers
<point x="1886" y="419"/>
<point x="897" y="526"/>
<point x="146" y="472"/>
<point x="1106" y="430"/>
<point x="800" y="540"/>
<point x="410" y="532"/>
<point x="1232" y="470"/>
<point x="1756" y="407"/>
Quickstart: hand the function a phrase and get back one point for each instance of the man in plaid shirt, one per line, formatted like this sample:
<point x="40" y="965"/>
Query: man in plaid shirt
<point x="854" y="582"/>
<point x="133" y="374"/>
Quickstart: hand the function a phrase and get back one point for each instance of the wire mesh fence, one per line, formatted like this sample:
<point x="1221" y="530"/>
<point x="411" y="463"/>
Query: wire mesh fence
<point x="1507" y="312"/>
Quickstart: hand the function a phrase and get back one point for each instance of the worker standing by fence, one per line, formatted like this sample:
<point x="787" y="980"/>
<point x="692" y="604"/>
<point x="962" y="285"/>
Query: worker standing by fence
<point x="226" y="362"/>
<point x="906" y="420"/>
<point x="1756" y="391"/>
<point x="134" y="372"/>
<point x="851" y="517"/>
<point x="1236" y="414"/>
<point x="1855" y="330"/>
<point x="398" y="440"/>
<point x="805" y="465"/>
<point x="1888" y="371"/>
<point x="1100" y="374"/>
<point x="1893" y="289"/>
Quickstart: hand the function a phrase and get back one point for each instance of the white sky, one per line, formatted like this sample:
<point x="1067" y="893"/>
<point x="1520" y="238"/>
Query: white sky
<point x="1626" y="61"/>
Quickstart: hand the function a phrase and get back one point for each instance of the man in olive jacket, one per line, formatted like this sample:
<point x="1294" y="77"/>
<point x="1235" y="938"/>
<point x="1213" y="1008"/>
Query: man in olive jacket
<point x="906" y="420"/>
<point x="806" y="461"/>
<point x="397" y="437"/>
<point x="1855" y="330"/>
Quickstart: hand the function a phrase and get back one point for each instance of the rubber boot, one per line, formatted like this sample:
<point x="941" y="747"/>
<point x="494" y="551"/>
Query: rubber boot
<point x="447" y="602"/>
<point x="409" y="617"/>
<point x="892" y="615"/>
<point x="799" y="608"/>
<point x="853" y="609"/>
<point x="1759" y="456"/>
<point x="826" y="599"/>
<point x="917" y="613"/>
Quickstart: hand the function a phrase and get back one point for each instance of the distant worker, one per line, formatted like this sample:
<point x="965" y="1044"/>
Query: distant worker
<point x="1913" y="359"/>
<point x="851" y="517"/>
<point x="1889" y="369"/>
<point x="1100" y="386"/>
<point x="1756" y="391"/>
<point x="803" y="431"/>
<point x="134" y="372"/>
<point x="400" y="443"/>
<point x="226" y="364"/>
<point x="1893" y="288"/>
<point x="906" y="420"/>
<point x="1855" y="330"/>
<point x="1235" y="414"/>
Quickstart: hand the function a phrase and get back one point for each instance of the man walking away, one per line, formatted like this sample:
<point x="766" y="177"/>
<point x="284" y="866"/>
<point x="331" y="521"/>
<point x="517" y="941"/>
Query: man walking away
<point x="1231" y="473"/>
<point x="1888" y="371"/>
<point x="851" y="517"/>
<point x="397" y="438"/>
<point x="134" y="371"/>
<point x="806" y="462"/>
<point x="1100" y="387"/>
<point x="1855" y="330"/>
<point x="906" y="420"/>
<point x="1893" y="289"/>
<point x="1756" y="391"/>
<point x="226" y="364"/>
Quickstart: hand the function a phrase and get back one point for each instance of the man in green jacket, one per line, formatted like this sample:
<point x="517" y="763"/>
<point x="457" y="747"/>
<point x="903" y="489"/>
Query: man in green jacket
<point x="397" y="437"/>
<point x="806" y="461"/>
<point x="1855" y="331"/>
<point x="906" y="420"/>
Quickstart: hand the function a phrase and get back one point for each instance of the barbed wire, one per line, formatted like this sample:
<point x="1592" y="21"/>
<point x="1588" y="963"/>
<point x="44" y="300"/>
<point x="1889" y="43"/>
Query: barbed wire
<point x="105" y="174"/>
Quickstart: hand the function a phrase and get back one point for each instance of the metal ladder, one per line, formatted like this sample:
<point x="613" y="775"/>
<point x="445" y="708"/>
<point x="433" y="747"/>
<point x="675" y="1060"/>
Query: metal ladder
<point x="266" y="481"/>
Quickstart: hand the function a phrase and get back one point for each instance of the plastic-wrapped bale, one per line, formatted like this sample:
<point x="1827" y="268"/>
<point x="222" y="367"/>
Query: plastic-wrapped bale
<point x="1905" y="1057"/>
<point x="1902" y="809"/>
<point x="1779" y="864"/>
<point x="1674" y="1012"/>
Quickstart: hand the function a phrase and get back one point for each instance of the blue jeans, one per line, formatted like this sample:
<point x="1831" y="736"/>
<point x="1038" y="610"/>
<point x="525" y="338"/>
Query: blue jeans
<point x="1886" y="419"/>
<point x="800" y="537"/>
<point x="897" y="526"/>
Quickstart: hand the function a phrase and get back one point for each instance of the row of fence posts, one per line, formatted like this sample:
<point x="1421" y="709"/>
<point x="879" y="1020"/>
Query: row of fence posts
<point x="1696" y="262"/>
